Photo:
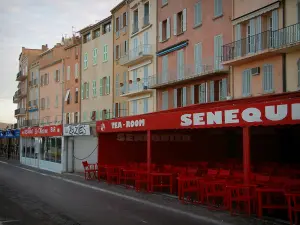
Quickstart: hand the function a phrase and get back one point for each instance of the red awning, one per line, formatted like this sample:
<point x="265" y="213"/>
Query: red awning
<point x="264" y="110"/>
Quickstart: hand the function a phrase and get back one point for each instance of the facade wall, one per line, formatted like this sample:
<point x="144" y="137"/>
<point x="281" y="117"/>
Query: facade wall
<point x="195" y="34"/>
<point x="72" y="83"/>
<point x="120" y="72"/>
<point x="51" y="110"/>
<point x="138" y="32"/>
<point x="291" y="12"/>
<point x="100" y="72"/>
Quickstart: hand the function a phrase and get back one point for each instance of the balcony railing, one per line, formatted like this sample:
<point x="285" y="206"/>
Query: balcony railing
<point x="207" y="67"/>
<point x="136" y="54"/>
<point x="33" y="122"/>
<point x="146" y="20"/>
<point x="267" y="40"/>
<point x="16" y="97"/>
<point x="136" y="86"/>
<point x="24" y="123"/>
<point x="135" y="27"/>
<point x="20" y="76"/>
<point x="20" y="111"/>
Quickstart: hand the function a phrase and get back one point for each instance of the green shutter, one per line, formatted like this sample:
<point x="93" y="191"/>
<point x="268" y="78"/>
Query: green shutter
<point x="108" y="85"/>
<point x="87" y="90"/>
<point x="101" y="87"/>
<point x="82" y="91"/>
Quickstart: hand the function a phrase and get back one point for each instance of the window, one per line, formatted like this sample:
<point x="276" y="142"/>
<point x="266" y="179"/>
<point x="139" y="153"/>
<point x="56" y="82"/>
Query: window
<point x="68" y="97"/>
<point x="68" y="118"/>
<point x="268" y="78"/>
<point x="43" y="103"/>
<point x="298" y="66"/>
<point x="46" y="79"/>
<point x="85" y="61"/>
<point x="101" y="87"/>
<point x="146" y="14"/>
<point x="146" y="106"/>
<point x="164" y="30"/>
<point x="198" y="58"/>
<point x="165" y="100"/>
<point x="164" y="2"/>
<point x="86" y="38"/>
<point x="134" y="107"/>
<point x="76" y="95"/>
<point x="180" y="64"/>
<point x="197" y="14"/>
<point x="179" y="22"/>
<point x="125" y="19"/>
<point x="96" y="33"/>
<point x="87" y="90"/>
<point x="76" y="117"/>
<point x="246" y="88"/>
<point x="82" y="91"/>
<point x="51" y="149"/>
<point x="95" y="56"/>
<point x="223" y="89"/>
<point x="94" y="89"/>
<point x="117" y="26"/>
<point x="180" y="97"/>
<point x="218" y="42"/>
<point x="135" y="25"/>
<point x="56" y="101"/>
<point x="106" y="28"/>
<point x="118" y="52"/>
<point x="105" y="53"/>
<point x="218" y="8"/>
<point x="68" y="72"/>
<point x="76" y="71"/>
<point x="202" y="93"/>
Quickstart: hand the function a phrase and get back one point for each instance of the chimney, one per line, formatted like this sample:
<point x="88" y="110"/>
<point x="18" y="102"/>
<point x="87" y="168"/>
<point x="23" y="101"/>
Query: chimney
<point x="44" y="47"/>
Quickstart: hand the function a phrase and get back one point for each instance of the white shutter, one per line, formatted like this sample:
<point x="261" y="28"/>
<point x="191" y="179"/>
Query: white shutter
<point x="252" y="35"/>
<point x="212" y="91"/>
<point x="160" y="32"/>
<point x="275" y="32"/>
<point x="184" y="96"/>
<point x="196" y="58"/>
<point x="223" y="92"/>
<point x="202" y="93"/>
<point x="192" y="90"/>
<point x="175" y="24"/>
<point x="64" y="118"/>
<point x="258" y="33"/>
<point x="246" y="83"/>
<point x="175" y="98"/>
<point x="165" y="68"/>
<point x="184" y="20"/>
<point x="168" y="31"/>
<point x="238" y="40"/>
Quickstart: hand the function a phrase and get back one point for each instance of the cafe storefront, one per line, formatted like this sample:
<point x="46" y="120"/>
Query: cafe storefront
<point x="42" y="147"/>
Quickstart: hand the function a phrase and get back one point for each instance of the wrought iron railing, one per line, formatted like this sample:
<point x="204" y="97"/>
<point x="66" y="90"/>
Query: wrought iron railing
<point x="257" y="43"/>
<point x="136" y="53"/>
<point x="137" y="85"/>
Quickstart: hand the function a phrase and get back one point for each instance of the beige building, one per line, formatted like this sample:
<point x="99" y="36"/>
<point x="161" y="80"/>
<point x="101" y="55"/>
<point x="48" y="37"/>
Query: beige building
<point x="141" y="57"/>
<point x="120" y="72"/>
<point x="264" y="55"/>
<point x="96" y="71"/>
<point x="33" y="93"/>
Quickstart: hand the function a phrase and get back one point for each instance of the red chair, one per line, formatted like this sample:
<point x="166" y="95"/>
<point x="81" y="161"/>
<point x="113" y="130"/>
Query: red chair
<point x="113" y="174"/>
<point x="90" y="170"/>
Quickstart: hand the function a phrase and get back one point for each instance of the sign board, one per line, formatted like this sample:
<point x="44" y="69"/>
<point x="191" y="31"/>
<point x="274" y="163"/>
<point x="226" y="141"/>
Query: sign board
<point x="77" y="130"/>
<point x="286" y="111"/>
<point x="46" y="131"/>
<point x="10" y="134"/>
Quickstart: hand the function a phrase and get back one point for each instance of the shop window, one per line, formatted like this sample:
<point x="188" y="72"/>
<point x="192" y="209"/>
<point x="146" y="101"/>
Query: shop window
<point x="51" y="149"/>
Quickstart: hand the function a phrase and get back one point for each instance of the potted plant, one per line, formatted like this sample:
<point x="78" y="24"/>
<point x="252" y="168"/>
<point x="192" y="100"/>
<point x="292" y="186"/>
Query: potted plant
<point x="138" y="79"/>
<point x="121" y="84"/>
<point x="130" y="81"/>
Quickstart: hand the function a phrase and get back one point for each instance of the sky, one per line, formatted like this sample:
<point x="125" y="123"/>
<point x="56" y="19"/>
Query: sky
<point x="32" y="23"/>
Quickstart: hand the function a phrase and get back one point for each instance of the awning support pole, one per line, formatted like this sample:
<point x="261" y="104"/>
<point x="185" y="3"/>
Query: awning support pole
<point x="149" y="138"/>
<point x="246" y="155"/>
<point x="99" y="143"/>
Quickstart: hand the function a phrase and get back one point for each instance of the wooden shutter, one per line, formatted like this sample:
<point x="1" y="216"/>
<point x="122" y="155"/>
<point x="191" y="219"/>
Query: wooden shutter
<point x="184" y="19"/>
<point x="175" y="98"/>
<point x="175" y="24"/>
<point x="160" y="32"/>
<point x="192" y="90"/>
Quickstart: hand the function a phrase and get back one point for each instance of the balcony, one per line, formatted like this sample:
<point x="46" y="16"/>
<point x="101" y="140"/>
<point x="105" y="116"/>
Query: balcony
<point x="16" y="97"/>
<point x="20" y="112"/>
<point x="137" y="55"/>
<point x="20" y="76"/>
<point x="262" y="45"/>
<point x="187" y="74"/>
<point x="24" y="123"/>
<point x="136" y="87"/>
<point x="33" y="122"/>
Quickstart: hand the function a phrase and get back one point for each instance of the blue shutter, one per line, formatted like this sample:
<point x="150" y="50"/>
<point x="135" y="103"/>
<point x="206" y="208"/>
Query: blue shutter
<point x="275" y="32"/>
<point x="268" y="78"/>
<point x="146" y="45"/>
<point x="202" y="93"/>
<point x="223" y="89"/>
<point x="212" y="91"/>
<point x="184" y="96"/>
<point x="258" y="33"/>
<point x="165" y="100"/>
<point x="192" y="89"/>
<point x="175" y="98"/>
<point x="252" y="36"/>
<point x="145" y="83"/>
<point x="165" y="69"/>
<point x="238" y="45"/>
<point x="146" y="105"/>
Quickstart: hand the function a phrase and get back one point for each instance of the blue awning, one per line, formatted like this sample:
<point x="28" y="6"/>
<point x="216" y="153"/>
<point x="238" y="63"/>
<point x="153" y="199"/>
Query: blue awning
<point x="10" y="134"/>
<point x="172" y="49"/>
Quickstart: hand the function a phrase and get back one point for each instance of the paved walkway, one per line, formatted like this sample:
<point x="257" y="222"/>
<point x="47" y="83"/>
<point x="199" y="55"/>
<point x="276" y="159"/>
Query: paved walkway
<point x="69" y="199"/>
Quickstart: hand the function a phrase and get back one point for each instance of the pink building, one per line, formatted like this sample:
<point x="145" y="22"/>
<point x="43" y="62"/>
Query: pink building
<point x="189" y="49"/>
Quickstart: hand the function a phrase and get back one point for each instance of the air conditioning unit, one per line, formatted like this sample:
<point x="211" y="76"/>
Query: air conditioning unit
<point x="255" y="71"/>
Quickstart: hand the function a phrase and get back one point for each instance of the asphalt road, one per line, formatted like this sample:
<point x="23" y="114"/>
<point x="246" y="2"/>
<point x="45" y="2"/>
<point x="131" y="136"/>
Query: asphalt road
<point x="40" y="199"/>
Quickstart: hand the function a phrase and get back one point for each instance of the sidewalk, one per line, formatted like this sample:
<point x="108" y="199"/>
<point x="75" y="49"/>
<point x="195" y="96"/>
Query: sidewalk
<point x="157" y="200"/>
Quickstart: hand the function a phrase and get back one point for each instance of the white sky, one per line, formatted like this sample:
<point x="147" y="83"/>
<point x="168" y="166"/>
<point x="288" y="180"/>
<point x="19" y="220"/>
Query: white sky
<point x="32" y="23"/>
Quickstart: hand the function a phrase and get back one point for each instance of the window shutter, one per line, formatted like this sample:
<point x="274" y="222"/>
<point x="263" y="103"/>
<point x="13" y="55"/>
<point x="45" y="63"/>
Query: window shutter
<point x="268" y="78"/>
<point x="126" y="19"/>
<point x="178" y="64"/>
<point x="298" y="66"/>
<point x="212" y="91"/>
<point x="181" y="64"/>
<point x="224" y="89"/>
<point x="101" y="87"/>
<point x="175" y="24"/>
<point x="76" y="70"/>
<point x="114" y="110"/>
<point x="101" y="115"/>
<point x="165" y="100"/>
<point x="238" y="40"/>
<point x="119" y="51"/>
<point x="196" y="58"/>
<point x="82" y="91"/>
<point x="121" y="22"/>
<point x="64" y="118"/>
<point x="192" y="89"/>
<point x="184" y="20"/>
<point x="78" y="119"/>
<point x="258" y="33"/>
<point x="107" y="85"/>
<point x="168" y="31"/>
<point x="215" y="52"/>
<point x="160" y="32"/>
<point x="184" y="96"/>
<point x="87" y="90"/>
<point x="175" y="98"/>
<point x="202" y="92"/>
<point x="146" y="105"/>
<point x="246" y="86"/>
<point x="275" y="33"/>
<point x="165" y="68"/>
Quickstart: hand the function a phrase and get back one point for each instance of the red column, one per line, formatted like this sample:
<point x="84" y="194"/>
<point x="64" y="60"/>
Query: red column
<point x="149" y="138"/>
<point x="99" y="157"/>
<point x="246" y="154"/>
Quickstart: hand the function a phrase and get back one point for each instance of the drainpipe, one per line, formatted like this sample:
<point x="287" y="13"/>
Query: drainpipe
<point x="284" y="54"/>
<point x="62" y="111"/>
